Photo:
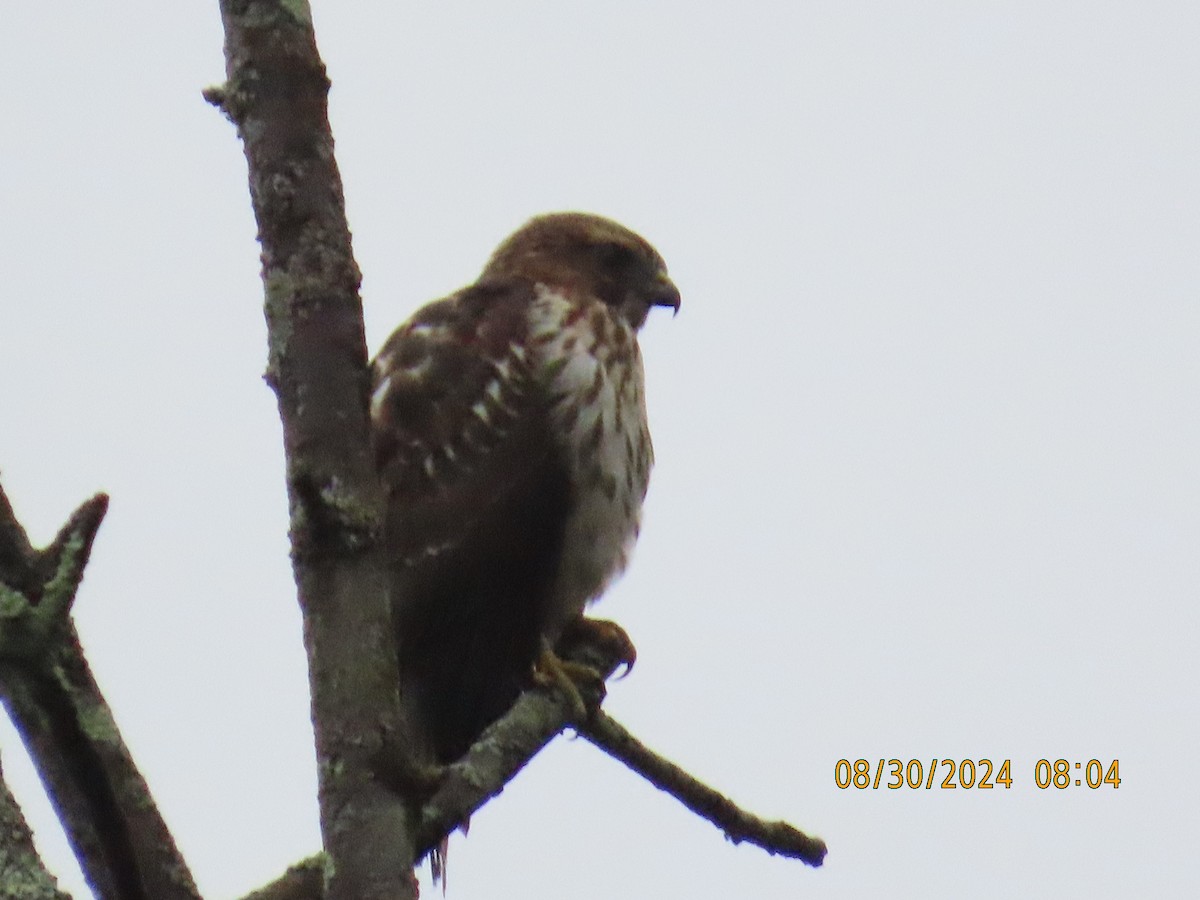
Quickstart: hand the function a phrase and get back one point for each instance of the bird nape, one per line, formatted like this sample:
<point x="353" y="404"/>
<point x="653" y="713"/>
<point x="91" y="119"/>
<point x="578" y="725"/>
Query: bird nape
<point x="509" y="424"/>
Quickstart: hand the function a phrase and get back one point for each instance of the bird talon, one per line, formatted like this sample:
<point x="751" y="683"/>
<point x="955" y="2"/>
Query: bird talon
<point x="566" y="678"/>
<point x="608" y="637"/>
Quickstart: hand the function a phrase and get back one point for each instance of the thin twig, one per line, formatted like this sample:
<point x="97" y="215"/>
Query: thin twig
<point x="777" y="838"/>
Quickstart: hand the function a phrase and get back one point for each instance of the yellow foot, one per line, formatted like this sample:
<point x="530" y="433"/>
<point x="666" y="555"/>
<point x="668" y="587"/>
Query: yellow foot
<point x="577" y="680"/>
<point x="558" y="674"/>
<point x="608" y="637"/>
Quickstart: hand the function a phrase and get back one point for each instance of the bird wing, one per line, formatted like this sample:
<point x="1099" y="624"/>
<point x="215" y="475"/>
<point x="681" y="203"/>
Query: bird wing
<point x="478" y="495"/>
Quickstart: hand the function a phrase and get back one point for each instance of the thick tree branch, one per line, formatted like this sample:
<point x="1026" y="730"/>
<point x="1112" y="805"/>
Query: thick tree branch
<point x="21" y="871"/>
<point x="275" y="94"/>
<point x="120" y="839"/>
<point x="17" y="555"/>
<point x="303" y="881"/>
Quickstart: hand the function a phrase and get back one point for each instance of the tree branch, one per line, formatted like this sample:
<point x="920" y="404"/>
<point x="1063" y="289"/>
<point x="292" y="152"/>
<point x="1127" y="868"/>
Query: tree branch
<point x="303" y="881"/>
<point x="538" y="715"/>
<point x="16" y="553"/>
<point x="777" y="838"/>
<point x="508" y="744"/>
<point x="21" y="871"/>
<point x="275" y="94"/>
<point x="121" y="841"/>
<point x="511" y="742"/>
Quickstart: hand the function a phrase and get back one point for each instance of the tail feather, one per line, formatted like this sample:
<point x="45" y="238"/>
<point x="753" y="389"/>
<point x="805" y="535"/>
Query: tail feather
<point x="438" y="856"/>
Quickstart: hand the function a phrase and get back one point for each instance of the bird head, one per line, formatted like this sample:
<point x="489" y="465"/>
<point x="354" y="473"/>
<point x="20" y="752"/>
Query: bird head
<point x="580" y="254"/>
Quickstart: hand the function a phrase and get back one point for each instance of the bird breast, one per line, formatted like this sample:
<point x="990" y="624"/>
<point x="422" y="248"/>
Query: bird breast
<point x="588" y="362"/>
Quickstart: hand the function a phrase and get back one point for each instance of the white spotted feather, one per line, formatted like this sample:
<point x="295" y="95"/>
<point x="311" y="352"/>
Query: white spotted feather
<point x="599" y="412"/>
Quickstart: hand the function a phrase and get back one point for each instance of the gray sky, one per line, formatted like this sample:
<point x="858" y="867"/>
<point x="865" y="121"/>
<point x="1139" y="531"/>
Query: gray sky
<point x="926" y="425"/>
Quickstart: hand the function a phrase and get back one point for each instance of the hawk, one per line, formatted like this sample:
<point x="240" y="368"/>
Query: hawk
<point x="509" y="427"/>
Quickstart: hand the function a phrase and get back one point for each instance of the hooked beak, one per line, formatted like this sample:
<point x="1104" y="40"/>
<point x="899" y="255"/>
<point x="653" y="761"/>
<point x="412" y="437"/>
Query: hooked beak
<point x="665" y="293"/>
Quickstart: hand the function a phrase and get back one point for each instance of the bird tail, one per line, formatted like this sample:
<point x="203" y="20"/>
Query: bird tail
<point x="437" y="857"/>
<point x="437" y="863"/>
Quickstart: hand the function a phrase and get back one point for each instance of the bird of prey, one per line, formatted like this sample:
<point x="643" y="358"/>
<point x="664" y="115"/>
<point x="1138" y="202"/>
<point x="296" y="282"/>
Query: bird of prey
<point x="509" y="426"/>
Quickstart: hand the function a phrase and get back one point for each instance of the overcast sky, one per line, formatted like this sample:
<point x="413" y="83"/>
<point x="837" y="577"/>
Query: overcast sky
<point x="926" y="424"/>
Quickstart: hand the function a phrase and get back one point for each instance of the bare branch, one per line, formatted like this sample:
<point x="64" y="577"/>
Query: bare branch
<point x="507" y="745"/>
<point x="275" y="93"/>
<point x="501" y="752"/>
<point x="120" y="839"/>
<point x="303" y="881"/>
<point x="21" y="871"/>
<point x="777" y="838"/>
<point x="538" y="715"/>
<point x="16" y="553"/>
<point x="512" y="741"/>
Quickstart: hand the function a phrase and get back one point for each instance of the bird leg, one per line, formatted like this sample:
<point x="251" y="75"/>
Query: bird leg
<point x="605" y="636"/>
<point x="557" y="674"/>
<point x="573" y="679"/>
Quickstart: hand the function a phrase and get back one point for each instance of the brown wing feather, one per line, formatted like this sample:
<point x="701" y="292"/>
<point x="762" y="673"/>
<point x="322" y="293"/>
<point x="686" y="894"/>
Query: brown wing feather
<point x="478" y="496"/>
